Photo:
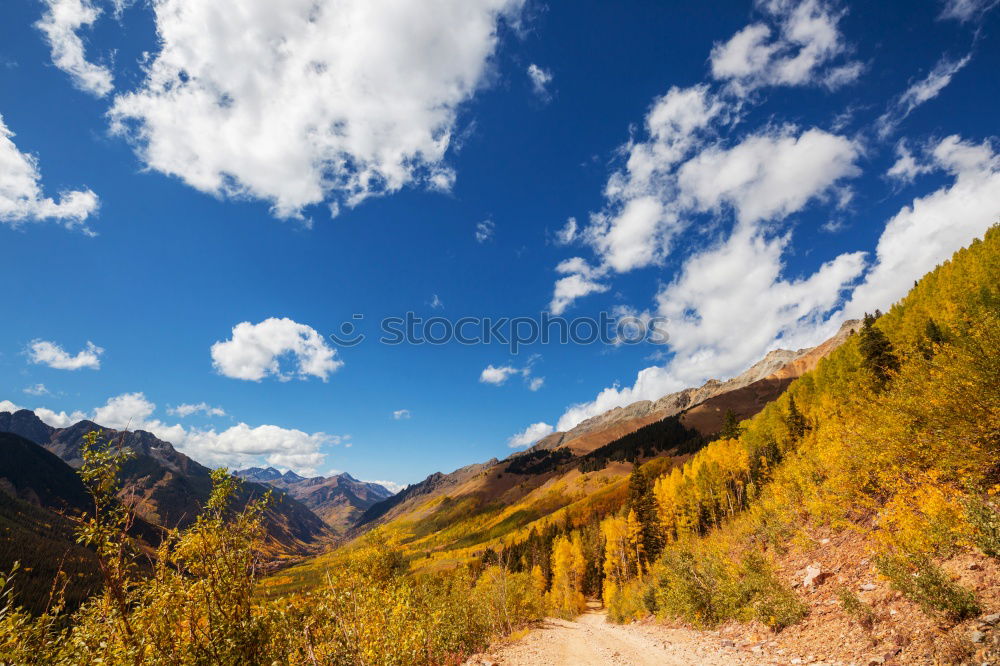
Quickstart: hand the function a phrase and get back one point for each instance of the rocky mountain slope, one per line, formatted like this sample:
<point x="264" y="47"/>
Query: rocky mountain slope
<point x="339" y="500"/>
<point x="170" y="488"/>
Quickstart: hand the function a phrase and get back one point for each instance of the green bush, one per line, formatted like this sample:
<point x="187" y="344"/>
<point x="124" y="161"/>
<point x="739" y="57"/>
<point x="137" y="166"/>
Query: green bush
<point x="985" y="522"/>
<point x="856" y="609"/>
<point x="707" y="588"/>
<point x="927" y="584"/>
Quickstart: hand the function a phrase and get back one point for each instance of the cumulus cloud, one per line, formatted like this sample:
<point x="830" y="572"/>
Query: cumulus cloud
<point x="300" y="102"/>
<point x="540" y="80"/>
<point x="798" y="44"/>
<point x="497" y="375"/>
<point x="37" y="389"/>
<point x="530" y="435"/>
<point x="60" y="23"/>
<point x="51" y="354"/>
<point x="731" y="303"/>
<point x="8" y="406"/>
<point x="436" y="302"/>
<point x="768" y="175"/>
<point x="919" y="92"/>
<point x="21" y="196"/>
<point x="238" y="446"/>
<point x="928" y="231"/>
<point x="581" y="279"/>
<point x="484" y="231"/>
<point x="254" y="351"/>
<point x="401" y="414"/>
<point x="187" y="409"/>
<point x="536" y="383"/>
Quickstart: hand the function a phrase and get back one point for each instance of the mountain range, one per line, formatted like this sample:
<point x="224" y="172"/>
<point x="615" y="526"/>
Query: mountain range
<point x="339" y="500"/>
<point x="462" y="509"/>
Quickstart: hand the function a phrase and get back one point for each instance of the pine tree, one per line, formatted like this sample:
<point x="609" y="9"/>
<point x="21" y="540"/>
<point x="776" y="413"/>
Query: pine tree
<point x="643" y="503"/>
<point x="877" y="351"/>
<point x="797" y="425"/>
<point x="731" y="426"/>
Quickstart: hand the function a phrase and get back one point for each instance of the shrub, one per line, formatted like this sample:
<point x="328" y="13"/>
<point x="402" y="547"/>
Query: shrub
<point x="984" y="521"/>
<point x="856" y="609"/>
<point x="924" y="582"/>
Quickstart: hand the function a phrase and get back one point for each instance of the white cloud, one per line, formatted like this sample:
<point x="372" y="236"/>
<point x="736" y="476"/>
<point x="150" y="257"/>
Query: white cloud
<point x="581" y="280"/>
<point x="391" y="486"/>
<point x="798" y="47"/>
<point x="187" y="409"/>
<point x="921" y="91"/>
<point x="304" y="101"/>
<point x="243" y="444"/>
<point x="933" y="227"/>
<point x="60" y="23"/>
<point x="730" y="304"/>
<point x="966" y="10"/>
<point x="401" y="414"/>
<point x="37" y="389"/>
<point x="436" y="302"/>
<point x="484" y="231"/>
<point x="21" y="196"/>
<point x="59" y="419"/>
<point x="497" y="375"/>
<point x="540" y="80"/>
<point x="906" y="167"/>
<point x="254" y="351"/>
<point x="8" y="406"/>
<point x="530" y="435"/>
<point x="54" y="356"/>
<point x="768" y="175"/>
<point x="567" y="234"/>
<point x="238" y="446"/>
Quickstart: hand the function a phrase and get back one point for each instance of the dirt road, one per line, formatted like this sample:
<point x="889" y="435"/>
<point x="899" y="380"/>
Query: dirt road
<point x="591" y="641"/>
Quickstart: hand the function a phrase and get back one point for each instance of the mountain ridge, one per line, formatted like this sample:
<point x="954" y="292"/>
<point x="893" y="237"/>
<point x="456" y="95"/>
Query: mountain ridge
<point x="169" y="487"/>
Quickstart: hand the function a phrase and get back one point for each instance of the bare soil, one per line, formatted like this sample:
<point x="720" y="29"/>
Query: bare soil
<point x="590" y="640"/>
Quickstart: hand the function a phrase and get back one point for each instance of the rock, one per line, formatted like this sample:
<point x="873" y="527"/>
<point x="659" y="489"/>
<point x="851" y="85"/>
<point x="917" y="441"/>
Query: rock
<point x="824" y="541"/>
<point x="796" y="661"/>
<point x="975" y="566"/>
<point x="990" y="619"/>
<point x="977" y="636"/>
<point x="727" y="643"/>
<point x="868" y="587"/>
<point x="814" y="575"/>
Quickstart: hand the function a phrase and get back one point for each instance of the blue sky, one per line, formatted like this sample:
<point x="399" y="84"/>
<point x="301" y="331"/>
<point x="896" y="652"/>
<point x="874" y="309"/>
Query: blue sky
<point x="199" y="194"/>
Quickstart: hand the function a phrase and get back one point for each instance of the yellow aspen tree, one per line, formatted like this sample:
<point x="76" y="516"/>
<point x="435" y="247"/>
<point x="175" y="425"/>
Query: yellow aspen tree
<point x="538" y="580"/>
<point x="633" y="529"/>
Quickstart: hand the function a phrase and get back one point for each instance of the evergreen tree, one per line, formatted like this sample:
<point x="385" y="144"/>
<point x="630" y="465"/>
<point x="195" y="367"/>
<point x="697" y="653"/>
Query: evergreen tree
<point x="642" y="502"/>
<point x="877" y="351"/>
<point x="797" y="425"/>
<point x="731" y="426"/>
<point x="933" y="335"/>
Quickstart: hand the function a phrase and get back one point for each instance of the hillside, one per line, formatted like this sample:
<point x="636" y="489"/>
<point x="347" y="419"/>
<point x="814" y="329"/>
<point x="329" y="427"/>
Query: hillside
<point x="339" y="500"/>
<point x="854" y="513"/>
<point x="168" y="487"/>
<point x="448" y="519"/>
